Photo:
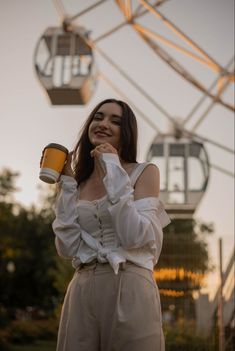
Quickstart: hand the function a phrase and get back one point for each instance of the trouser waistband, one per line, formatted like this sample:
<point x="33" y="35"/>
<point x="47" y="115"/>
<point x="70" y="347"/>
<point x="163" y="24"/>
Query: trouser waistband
<point x="96" y="264"/>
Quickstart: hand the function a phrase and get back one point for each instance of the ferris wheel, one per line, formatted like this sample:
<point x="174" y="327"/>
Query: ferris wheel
<point x="66" y="68"/>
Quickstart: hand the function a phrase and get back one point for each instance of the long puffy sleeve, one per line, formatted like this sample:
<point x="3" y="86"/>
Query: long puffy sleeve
<point x="71" y="241"/>
<point x="137" y="223"/>
<point x="66" y="226"/>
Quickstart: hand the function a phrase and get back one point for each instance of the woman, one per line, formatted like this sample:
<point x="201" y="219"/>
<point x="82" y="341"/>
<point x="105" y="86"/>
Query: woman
<point x="109" y="221"/>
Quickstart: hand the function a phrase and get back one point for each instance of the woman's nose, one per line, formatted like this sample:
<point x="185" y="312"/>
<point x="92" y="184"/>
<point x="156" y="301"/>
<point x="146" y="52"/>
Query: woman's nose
<point x="104" y="122"/>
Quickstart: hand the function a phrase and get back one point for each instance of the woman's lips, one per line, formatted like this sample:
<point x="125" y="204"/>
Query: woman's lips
<point x="102" y="134"/>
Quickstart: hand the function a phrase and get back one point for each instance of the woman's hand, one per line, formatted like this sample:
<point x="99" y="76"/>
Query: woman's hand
<point x="103" y="148"/>
<point x="67" y="170"/>
<point x="99" y="150"/>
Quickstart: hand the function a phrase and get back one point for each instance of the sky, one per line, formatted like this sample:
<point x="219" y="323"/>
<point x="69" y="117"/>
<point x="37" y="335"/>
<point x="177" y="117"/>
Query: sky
<point x="29" y="121"/>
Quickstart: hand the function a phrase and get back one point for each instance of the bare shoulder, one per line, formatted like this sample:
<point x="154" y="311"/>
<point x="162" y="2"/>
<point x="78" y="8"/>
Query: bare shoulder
<point x="148" y="183"/>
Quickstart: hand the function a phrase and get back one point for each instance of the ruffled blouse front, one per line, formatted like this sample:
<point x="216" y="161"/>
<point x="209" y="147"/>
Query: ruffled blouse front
<point x="113" y="229"/>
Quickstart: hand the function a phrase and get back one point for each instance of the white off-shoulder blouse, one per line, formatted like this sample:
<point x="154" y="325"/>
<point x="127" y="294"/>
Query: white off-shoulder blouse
<point x="114" y="228"/>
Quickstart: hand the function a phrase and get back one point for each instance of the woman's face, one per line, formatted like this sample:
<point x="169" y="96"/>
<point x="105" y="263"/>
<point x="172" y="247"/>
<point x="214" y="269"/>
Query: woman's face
<point x="106" y="125"/>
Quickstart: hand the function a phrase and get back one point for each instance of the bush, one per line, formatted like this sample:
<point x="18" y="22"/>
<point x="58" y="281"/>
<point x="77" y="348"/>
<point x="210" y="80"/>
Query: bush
<point x="48" y="329"/>
<point x="4" y="337"/>
<point x="23" y="331"/>
<point x="28" y="331"/>
<point x="4" y="317"/>
<point x="183" y="337"/>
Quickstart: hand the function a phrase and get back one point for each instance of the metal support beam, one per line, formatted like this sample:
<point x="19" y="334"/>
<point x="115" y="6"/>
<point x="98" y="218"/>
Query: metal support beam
<point x="205" y="59"/>
<point x="199" y="103"/>
<point x="215" y="65"/>
<point x="170" y="43"/>
<point x="182" y="71"/>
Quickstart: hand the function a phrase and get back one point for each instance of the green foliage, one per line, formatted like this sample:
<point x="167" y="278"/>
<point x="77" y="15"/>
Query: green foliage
<point x="182" y="336"/>
<point x="185" y="246"/>
<point x="4" y="340"/>
<point x="4" y="317"/>
<point x="27" y="253"/>
<point x="39" y="345"/>
<point x="28" y="331"/>
<point x="48" y="329"/>
<point x="46" y="201"/>
<point x="7" y="184"/>
<point x="28" y="242"/>
<point x="23" y="332"/>
<point x="184" y="250"/>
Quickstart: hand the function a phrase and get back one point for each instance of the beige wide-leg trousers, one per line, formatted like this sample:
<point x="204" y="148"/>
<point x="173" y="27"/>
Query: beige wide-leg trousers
<point x="107" y="312"/>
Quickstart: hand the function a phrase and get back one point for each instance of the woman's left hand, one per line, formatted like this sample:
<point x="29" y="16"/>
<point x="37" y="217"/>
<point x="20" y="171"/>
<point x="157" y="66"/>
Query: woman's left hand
<point x="103" y="148"/>
<point x="67" y="170"/>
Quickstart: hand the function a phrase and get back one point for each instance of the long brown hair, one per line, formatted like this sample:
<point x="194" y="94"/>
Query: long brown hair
<point x="84" y="163"/>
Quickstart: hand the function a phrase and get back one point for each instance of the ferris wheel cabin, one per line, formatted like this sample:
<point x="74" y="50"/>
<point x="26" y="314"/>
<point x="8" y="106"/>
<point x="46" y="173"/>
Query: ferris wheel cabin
<point x="64" y="65"/>
<point x="184" y="169"/>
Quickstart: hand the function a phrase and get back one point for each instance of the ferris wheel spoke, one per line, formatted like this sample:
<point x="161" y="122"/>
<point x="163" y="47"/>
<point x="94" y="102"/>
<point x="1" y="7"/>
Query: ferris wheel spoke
<point x="60" y="9"/>
<point x="70" y="19"/>
<point x="209" y="108"/>
<point x="200" y="102"/>
<point x="136" y="14"/>
<point x="131" y="81"/>
<point x="151" y="100"/>
<point x="125" y="6"/>
<point x="210" y="62"/>
<point x="204" y="139"/>
<point x="83" y="12"/>
<point x="180" y="34"/>
<point x="182" y="71"/>
<point x="147" y="32"/>
<point x="139" y="11"/>
<point x="222" y="170"/>
<point x="111" y="31"/>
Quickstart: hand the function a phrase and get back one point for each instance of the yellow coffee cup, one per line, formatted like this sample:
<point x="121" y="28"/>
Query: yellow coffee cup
<point x="53" y="160"/>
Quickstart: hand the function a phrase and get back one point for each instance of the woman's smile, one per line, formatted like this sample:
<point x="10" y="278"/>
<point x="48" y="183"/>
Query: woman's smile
<point x="100" y="133"/>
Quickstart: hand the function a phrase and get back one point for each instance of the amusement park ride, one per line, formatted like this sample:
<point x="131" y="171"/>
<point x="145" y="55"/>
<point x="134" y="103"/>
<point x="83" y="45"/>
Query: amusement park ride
<point x="65" y="66"/>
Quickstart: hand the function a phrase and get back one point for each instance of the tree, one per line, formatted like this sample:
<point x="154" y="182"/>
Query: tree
<point x="182" y="266"/>
<point x="7" y="184"/>
<point x="27" y="253"/>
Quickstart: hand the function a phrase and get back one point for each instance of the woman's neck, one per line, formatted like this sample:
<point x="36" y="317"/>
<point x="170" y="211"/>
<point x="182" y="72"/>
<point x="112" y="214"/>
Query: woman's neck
<point x="98" y="171"/>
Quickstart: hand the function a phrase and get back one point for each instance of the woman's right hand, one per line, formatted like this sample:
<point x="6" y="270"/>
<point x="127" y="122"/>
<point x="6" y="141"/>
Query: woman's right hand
<point x="67" y="170"/>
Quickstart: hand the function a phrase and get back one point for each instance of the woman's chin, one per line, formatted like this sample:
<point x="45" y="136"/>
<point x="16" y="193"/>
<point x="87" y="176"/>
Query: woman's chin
<point x="98" y="141"/>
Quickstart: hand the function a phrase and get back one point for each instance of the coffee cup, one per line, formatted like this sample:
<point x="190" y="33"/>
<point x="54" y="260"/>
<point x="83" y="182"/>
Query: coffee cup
<point x="52" y="163"/>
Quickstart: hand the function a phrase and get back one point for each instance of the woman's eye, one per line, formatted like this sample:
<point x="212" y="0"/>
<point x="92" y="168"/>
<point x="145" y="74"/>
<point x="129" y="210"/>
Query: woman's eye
<point x="97" y="117"/>
<point x="118" y="122"/>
